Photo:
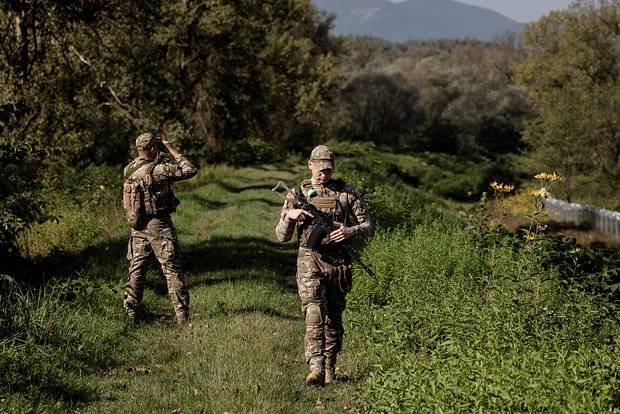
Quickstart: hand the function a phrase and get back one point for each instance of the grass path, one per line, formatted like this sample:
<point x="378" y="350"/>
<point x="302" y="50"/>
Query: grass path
<point x="243" y="352"/>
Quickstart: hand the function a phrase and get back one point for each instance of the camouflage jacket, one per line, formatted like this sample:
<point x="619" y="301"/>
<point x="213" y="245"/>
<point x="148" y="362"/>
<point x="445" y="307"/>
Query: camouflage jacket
<point x="341" y="201"/>
<point x="166" y="171"/>
<point x="164" y="175"/>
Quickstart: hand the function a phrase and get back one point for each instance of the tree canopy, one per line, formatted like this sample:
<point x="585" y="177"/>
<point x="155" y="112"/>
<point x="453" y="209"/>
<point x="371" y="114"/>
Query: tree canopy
<point x="83" y="79"/>
<point x="572" y="73"/>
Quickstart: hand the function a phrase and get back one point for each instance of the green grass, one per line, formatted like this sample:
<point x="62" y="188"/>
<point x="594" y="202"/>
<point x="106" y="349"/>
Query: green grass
<point x="443" y="342"/>
<point x="429" y="335"/>
<point x="244" y="349"/>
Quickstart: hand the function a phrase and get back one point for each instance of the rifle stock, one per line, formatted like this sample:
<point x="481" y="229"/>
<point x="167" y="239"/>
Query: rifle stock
<point x="322" y="225"/>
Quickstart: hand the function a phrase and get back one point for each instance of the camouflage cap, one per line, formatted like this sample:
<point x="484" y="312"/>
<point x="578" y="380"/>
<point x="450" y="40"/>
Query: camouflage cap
<point x="146" y="140"/>
<point x="322" y="157"/>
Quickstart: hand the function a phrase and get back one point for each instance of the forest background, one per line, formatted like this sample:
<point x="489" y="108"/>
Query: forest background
<point x="244" y="83"/>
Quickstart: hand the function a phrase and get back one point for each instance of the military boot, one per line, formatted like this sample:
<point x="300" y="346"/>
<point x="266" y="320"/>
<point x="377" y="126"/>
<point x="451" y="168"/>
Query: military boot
<point x="314" y="379"/>
<point x="182" y="318"/>
<point x="317" y="371"/>
<point x="330" y="370"/>
<point x="132" y="312"/>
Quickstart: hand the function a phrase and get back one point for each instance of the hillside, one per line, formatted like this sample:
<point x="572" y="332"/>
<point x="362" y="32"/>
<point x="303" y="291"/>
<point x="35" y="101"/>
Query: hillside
<point x="416" y="19"/>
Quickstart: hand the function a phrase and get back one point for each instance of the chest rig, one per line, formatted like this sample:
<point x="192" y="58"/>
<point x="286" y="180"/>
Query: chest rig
<point x="327" y="199"/>
<point x="159" y="197"/>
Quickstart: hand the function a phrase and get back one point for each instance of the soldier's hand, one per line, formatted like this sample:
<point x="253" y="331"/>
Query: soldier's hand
<point x="298" y="214"/>
<point x="342" y="233"/>
<point x="169" y="148"/>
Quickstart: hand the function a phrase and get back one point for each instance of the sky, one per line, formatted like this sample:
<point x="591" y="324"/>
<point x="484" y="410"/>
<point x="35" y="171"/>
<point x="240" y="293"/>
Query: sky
<point x="523" y="11"/>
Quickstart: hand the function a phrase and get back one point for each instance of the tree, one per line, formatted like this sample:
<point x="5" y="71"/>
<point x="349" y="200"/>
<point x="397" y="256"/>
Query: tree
<point x="573" y="75"/>
<point x="81" y="79"/>
<point x="35" y="49"/>
<point x="232" y="72"/>
<point x="380" y="107"/>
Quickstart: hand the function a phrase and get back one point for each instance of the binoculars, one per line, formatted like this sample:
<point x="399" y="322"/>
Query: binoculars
<point x="160" y="145"/>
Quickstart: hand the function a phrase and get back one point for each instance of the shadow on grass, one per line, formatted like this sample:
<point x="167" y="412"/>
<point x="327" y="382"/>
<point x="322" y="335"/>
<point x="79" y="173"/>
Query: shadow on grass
<point x="241" y="258"/>
<point x="235" y="259"/>
<point x="204" y="201"/>
<point x="102" y="261"/>
<point x="37" y="381"/>
<point x="227" y="310"/>
<point x="239" y="189"/>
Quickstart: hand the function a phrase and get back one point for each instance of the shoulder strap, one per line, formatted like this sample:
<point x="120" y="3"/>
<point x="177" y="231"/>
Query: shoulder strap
<point x="138" y="166"/>
<point x="339" y="185"/>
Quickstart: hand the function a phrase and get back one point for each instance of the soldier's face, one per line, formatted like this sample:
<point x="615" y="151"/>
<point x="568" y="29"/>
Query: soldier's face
<point x="320" y="176"/>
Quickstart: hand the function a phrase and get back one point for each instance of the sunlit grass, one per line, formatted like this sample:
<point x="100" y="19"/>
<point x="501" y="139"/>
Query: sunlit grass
<point x="243" y="351"/>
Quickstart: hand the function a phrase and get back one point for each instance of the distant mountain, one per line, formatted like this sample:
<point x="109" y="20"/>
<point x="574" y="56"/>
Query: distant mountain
<point x="416" y="19"/>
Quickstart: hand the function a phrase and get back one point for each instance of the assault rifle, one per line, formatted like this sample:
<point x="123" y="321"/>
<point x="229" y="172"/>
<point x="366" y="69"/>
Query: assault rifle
<point x="322" y="224"/>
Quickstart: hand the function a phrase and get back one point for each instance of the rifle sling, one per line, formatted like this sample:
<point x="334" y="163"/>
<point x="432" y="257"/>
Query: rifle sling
<point x="136" y="168"/>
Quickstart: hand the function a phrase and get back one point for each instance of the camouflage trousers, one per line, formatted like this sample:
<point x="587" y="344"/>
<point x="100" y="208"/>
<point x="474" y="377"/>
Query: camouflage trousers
<point x="160" y="239"/>
<point x="323" y="281"/>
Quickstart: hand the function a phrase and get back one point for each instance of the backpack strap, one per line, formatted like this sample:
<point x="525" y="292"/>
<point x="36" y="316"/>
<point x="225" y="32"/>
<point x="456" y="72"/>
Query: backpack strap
<point x="138" y="166"/>
<point x="150" y="169"/>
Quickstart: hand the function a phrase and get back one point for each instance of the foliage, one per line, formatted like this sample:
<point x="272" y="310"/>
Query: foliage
<point x="429" y="334"/>
<point x="453" y="311"/>
<point x="47" y="341"/>
<point x="378" y="108"/>
<point x="391" y="201"/>
<point x="440" y="338"/>
<point x="217" y="78"/>
<point x="451" y="96"/>
<point x="591" y="270"/>
<point x="21" y="203"/>
<point x="571" y="72"/>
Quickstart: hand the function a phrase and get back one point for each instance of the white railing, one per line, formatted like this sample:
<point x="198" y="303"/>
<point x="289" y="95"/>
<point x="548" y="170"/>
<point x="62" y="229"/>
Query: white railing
<point x="584" y="215"/>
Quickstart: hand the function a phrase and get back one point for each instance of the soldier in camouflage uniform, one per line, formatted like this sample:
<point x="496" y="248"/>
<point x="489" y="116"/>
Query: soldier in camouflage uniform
<point x="324" y="275"/>
<point x="158" y="236"/>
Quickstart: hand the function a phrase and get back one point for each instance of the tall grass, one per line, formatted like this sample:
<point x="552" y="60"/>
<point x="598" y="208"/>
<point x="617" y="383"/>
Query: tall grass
<point x="49" y="341"/>
<point x="440" y="343"/>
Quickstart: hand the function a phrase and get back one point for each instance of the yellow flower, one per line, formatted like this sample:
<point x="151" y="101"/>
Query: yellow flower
<point x="102" y="187"/>
<point x="542" y="193"/>
<point x="504" y="188"/>
<point x="548" y="177"/>
<point x="529" y="237"/>
<point x="575" y="250"/>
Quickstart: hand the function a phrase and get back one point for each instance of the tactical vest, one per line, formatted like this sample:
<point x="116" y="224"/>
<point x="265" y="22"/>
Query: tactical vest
<point x="329" y="203"/>
<point x="159" y="198"/>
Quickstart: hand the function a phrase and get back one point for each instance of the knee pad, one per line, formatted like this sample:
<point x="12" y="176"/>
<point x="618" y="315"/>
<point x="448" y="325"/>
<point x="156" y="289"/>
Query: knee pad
<point x="313" y="315"/>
